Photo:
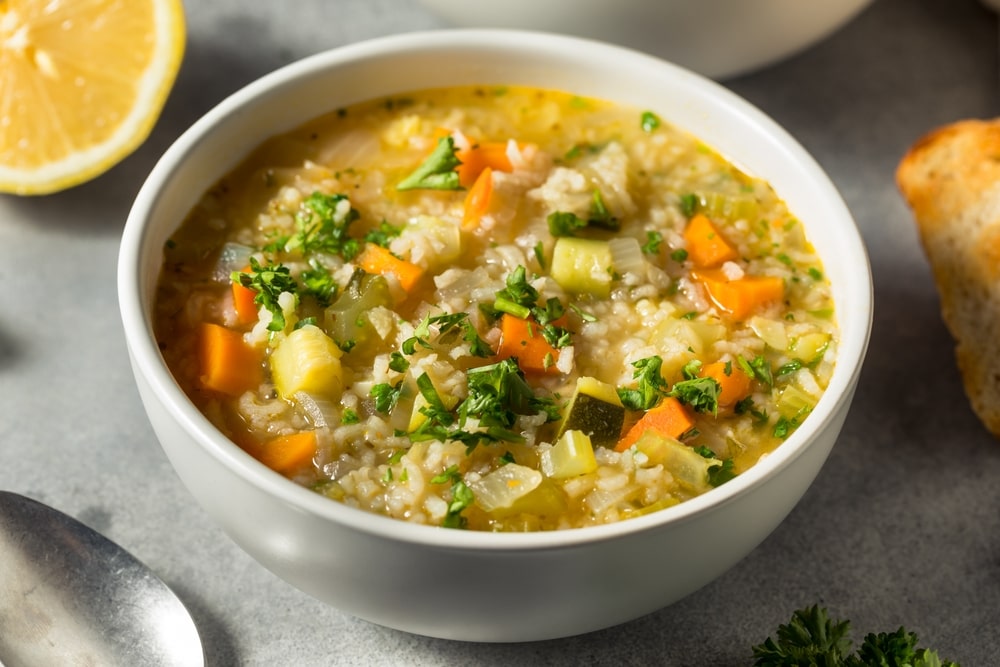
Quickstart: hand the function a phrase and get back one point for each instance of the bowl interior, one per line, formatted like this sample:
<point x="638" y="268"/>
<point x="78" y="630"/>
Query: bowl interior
<point x="366" y="70"/>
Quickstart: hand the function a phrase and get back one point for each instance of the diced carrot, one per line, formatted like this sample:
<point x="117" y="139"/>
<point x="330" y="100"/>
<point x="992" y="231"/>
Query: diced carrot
<point x="288" y="453"/>
<point x="740" y="298"/>
<point x="523" y="339"/>
<point x="478" y="157"/>
<point x="477" y="202"/>
<point x="733" y="387"/>
<point x="228" y="365"/>
<point x="243" y="301"/>
<point x="376" y="259"/>
<point x="706" y="246"/>
<point x="668" y="418"/>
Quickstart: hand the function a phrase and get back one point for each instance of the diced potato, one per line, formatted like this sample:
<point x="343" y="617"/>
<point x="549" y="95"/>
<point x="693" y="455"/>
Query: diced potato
<point x="583" y="266"/>
<point x="571" y="456"/>
<point x="307" y="360"/>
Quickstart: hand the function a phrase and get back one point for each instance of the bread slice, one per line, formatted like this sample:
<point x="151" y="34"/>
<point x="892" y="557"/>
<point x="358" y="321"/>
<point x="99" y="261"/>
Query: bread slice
<point x="951" y="180"/>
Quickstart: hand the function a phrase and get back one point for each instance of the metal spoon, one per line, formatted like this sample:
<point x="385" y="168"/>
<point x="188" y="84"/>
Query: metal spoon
<point x="69" y="596"/>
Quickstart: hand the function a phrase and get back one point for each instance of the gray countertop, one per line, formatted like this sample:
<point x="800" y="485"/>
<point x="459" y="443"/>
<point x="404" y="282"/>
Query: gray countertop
<point x="902" y="526"/>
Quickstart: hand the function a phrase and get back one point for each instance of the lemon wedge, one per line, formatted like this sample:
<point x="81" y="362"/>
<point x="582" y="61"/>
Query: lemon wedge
<point x="82" y="83"/>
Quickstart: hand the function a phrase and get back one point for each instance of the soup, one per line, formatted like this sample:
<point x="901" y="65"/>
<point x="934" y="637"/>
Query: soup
<point x="497" y="308"/>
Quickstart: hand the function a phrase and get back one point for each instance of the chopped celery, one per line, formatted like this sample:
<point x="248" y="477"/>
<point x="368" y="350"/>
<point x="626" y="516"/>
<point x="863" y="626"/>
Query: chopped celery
<point x="720" y="206"/>
<point x="582" y="266"/>
<point x="571" y="456"/>
<point x="307" y="360"/>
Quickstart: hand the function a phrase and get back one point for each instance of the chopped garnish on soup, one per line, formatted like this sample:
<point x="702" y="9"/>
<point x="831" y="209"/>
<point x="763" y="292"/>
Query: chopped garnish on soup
<point x="501" y="313"/>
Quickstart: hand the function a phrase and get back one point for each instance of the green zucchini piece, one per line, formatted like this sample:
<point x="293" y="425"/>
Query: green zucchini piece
<point x="595" y="410"/>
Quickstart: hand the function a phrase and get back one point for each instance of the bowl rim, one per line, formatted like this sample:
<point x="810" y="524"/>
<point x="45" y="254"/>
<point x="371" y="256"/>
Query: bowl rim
<point x="148" y="362"/>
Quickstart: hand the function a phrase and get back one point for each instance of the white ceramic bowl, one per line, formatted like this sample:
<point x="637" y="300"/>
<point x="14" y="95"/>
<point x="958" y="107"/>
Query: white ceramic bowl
<point x="471" y="585"/>
<point x="717" y="38"/>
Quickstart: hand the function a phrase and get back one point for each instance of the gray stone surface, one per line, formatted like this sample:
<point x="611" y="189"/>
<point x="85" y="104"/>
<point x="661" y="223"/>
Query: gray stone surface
<point x="901" y="527"/>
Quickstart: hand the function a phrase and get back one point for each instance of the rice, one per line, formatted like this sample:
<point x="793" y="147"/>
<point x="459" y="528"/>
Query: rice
<point x="390" y="385"/>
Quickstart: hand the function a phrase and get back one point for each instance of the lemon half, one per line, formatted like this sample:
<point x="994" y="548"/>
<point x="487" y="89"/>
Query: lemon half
<point x="82" y="83"/>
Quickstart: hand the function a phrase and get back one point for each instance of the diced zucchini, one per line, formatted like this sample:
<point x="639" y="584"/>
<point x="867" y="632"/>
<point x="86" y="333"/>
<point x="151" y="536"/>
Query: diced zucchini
<point x="582" y="266"/>
<point x="571" y="456"/>
<point x="596" y="411"/>
<point x="307" y="360"/>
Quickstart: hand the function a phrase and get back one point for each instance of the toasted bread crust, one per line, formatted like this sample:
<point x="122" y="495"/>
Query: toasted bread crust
<point x="951" y="180"/>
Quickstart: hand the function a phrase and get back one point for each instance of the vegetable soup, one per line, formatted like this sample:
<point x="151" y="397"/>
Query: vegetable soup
<point x="497" y="308"/>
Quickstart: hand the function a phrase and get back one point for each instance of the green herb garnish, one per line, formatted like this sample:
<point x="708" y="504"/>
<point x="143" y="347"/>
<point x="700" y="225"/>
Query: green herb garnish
<point x="269" y="282"/>
<point x="437" y="172"/>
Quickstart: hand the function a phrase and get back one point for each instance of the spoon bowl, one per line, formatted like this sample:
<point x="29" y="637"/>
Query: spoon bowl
<point x="68" y="595"/>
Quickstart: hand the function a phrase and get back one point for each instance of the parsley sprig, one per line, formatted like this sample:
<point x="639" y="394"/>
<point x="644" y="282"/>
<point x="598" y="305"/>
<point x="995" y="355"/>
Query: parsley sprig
<point x="811" y="637"/>
<point x="461" y="496"/>
<point x="437" y="172"/>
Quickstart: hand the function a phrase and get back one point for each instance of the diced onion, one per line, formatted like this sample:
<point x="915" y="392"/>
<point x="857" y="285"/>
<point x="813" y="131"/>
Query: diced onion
<point x="626" y="256"/>
<point x="232" y="257"/>
<point x="321" y="412"/>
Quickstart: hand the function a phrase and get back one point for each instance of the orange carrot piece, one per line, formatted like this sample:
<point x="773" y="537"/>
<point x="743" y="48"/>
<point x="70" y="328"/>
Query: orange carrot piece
<point x="288" y="453"/>
<point x="228" y="365"/>
<point x="478" y="157"/>
<point x="740" y="298"/>
<point x="243" y="301"/>
<point x="376" y="259"/>
<point x="477" y="202"/>
<point x="706" y="246"/>
<point x="523" y="339"/>
<point x="733" y="387"/>
<point x="668" y="418"/>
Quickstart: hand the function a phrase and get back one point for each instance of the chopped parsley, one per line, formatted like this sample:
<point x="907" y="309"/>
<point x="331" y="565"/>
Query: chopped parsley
<point x="386" y="396"/>
<point x="757" y="368"/>
<point x="653" y="241"/>
<point x="383" y="234"/>
<point x="689" y="204"/>
<point x="461" y="497"/>
<point x="349" y="416"/>
<point x="679" y="255"/>
<point x="721" y="473"/>
<point x="437" y="172"/>
<point x="651" y="386"/>
<point x="318" y="282"/>
<point x="563" y="223"/>
<point x="269" y="282"/>
<point x="520" y="299"/>
<point x="649" y="121"/>
<point x="322" y="224"/>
